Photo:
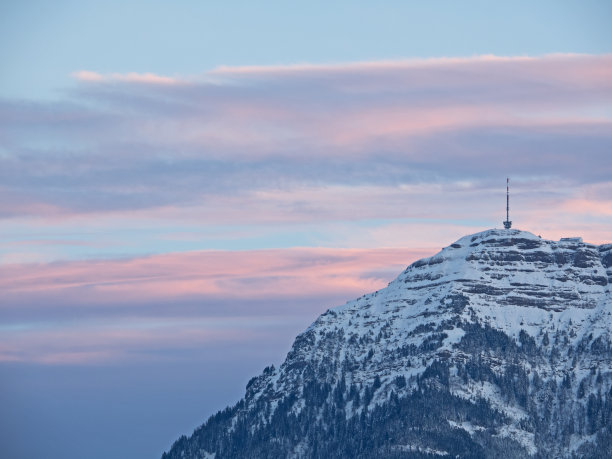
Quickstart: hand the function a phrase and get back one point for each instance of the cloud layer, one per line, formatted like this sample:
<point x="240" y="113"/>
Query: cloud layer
<point x="142" y="141"/>
<point x="112" y="197"/>
<point x="96" y="311"/>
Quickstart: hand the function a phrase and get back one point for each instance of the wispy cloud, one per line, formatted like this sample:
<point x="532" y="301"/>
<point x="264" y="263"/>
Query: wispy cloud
<point x="385" y="65"/>
<point x="131" y="77"/>
<point x="136" y="145"/>
<point x="91" y="311"/>
<point x="286" y="273"/>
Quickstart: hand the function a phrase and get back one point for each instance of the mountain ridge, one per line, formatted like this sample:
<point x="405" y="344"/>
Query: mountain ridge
<point x="509" y="330"/>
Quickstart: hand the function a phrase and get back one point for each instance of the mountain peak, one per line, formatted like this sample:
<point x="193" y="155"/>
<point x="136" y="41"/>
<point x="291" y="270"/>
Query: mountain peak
<point x="506" y="335"/>
<point x="517" y="268"/>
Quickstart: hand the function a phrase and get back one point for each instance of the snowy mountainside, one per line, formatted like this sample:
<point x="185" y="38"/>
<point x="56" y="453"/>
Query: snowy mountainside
<point x="499" y="343"/>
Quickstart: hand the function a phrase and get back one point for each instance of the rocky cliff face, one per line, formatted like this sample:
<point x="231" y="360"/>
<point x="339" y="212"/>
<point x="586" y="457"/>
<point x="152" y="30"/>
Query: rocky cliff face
<point x="499" y="345"/>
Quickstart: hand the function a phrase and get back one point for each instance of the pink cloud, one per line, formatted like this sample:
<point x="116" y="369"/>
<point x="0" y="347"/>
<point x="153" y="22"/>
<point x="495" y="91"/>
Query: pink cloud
<point x="405" y="215"/>
<point x="578" y="68"/>
<point x="247" y="274"/>
<point x="366" y="65"/>
<point x="258" y="276"/>
<point x="553" y="91"/>
<point x="131" y="77"/>
<point x="588" y="207"/>
<point x="420" y="118"/>
<point x="87" y="75"/>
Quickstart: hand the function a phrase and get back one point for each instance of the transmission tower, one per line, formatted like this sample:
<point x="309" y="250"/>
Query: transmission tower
<point x="507" y="223"/>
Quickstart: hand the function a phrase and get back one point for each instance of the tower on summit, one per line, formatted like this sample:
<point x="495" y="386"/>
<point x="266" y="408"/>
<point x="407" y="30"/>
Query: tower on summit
<point x="507" y="223"/>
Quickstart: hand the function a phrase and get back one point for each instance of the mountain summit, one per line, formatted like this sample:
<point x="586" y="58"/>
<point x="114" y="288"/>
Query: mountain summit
<point x="497" y="346"/>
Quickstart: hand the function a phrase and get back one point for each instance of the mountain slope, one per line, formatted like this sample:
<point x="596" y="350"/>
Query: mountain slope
<point x="499" y="345"/>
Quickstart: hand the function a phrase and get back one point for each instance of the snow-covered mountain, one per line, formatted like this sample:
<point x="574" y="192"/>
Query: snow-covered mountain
<point x="497" y="346"/>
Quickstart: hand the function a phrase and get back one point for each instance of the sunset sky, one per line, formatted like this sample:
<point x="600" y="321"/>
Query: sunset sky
<point x="185" y="186"/>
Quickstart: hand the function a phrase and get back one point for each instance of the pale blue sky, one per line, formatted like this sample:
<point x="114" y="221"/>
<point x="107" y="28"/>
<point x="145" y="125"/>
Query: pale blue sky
<point x="43" y="42"/>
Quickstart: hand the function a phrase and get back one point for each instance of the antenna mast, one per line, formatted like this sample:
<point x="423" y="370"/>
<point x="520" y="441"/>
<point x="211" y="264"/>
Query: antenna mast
<point x="507" y="223"/>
